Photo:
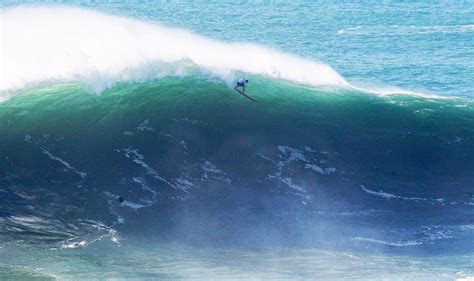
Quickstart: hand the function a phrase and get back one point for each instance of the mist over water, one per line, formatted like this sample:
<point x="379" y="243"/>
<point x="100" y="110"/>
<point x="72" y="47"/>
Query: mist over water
<point x="125" y="153"/>
<point x="144" y="164"/>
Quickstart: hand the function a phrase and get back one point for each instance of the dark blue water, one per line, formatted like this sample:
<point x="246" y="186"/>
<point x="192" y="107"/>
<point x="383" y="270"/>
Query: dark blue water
<point x="126" y="154"/>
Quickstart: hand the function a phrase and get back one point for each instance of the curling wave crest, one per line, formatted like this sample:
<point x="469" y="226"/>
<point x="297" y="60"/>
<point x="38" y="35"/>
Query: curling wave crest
<point x="63" y="44"/>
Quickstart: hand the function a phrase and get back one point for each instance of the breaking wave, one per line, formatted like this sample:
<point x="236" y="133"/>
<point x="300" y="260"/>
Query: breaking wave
<point x="78" y="45"/>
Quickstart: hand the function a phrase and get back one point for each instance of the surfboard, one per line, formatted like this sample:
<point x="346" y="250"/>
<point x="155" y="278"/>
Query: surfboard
<point x="249" y="97"/>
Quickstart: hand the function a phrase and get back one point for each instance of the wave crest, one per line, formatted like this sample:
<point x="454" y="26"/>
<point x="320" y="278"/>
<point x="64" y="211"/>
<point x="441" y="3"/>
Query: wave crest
<point x="43" y="44"/>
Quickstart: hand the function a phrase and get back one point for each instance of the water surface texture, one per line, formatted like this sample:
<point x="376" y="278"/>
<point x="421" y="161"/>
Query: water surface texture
<point x="125" y="152"/>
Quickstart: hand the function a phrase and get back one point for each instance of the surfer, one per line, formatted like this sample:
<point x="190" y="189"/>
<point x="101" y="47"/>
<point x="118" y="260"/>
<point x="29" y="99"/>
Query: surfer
<point x="241" y="83"/>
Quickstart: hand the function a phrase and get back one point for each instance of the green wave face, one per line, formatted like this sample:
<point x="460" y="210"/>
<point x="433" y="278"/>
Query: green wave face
<point x="179" y="153"/>
<point x="125" y="153"/>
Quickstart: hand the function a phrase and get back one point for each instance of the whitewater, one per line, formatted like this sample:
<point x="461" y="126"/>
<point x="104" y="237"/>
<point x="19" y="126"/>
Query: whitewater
<point x="125" y="152"/>
<point x="76" y="45"/>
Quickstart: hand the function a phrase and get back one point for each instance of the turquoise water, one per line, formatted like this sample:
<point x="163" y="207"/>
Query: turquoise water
<point x="423" y="46"/>
<point x="125" y="153"/>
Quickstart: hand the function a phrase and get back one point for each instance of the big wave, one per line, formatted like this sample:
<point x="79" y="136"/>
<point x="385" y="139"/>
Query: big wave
<point x="57" y="44"/>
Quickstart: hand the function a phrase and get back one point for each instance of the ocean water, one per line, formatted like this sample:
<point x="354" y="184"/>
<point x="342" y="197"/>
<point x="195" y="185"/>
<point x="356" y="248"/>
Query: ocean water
<point x="125" y="153"/>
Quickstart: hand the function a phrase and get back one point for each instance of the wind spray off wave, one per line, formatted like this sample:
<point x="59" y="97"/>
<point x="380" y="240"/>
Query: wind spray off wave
<point x="172" y="175"/>
<point x="44" y="44"/>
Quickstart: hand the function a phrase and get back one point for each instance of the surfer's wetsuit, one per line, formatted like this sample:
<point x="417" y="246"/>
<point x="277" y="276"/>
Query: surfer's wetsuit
<point x="241" y="83"/>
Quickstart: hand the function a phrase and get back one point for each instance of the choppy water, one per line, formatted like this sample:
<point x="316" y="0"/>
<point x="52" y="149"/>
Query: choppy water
<point x="126" y="154"/>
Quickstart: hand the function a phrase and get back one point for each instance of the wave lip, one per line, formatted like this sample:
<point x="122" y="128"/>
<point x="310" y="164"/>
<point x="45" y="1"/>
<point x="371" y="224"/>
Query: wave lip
<point x="43" y="44"/>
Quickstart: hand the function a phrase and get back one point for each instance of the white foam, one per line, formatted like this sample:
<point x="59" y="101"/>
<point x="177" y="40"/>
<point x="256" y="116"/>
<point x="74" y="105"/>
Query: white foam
<point x="27" y="220"/>
<point x="289" y="182"/>
<point x="295" y="154"/>
<point x="184" y="184"/>
<point x="145" y="126"/>
<point x="97" y="231"/>
<point x="142" y="182"/>
<point x="350" y="30"/>
<point x="322" y="171"/>
<point x="43" y="44"/>
<point x="465" y="278"/>
<point x="139" y="159"/>
<point x="436" y="232"/>
<point x="210" y="171"/>
<point x="120" y="220"/>
<point x="290" y="155"/>
<point x="127" y="203"/>
<point x="385" y="90"/>
<point x="73" y="244"/>
<point x="385" y="195"/>
<point x="391" y="196"/>
<point x="265" y="157"/>
<point x="64" y="163"/>
<point x="395" y="244"/>
<point x="379" y="193"/>
<point x="134" y="206"/>
<point x="467" y="227"/>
